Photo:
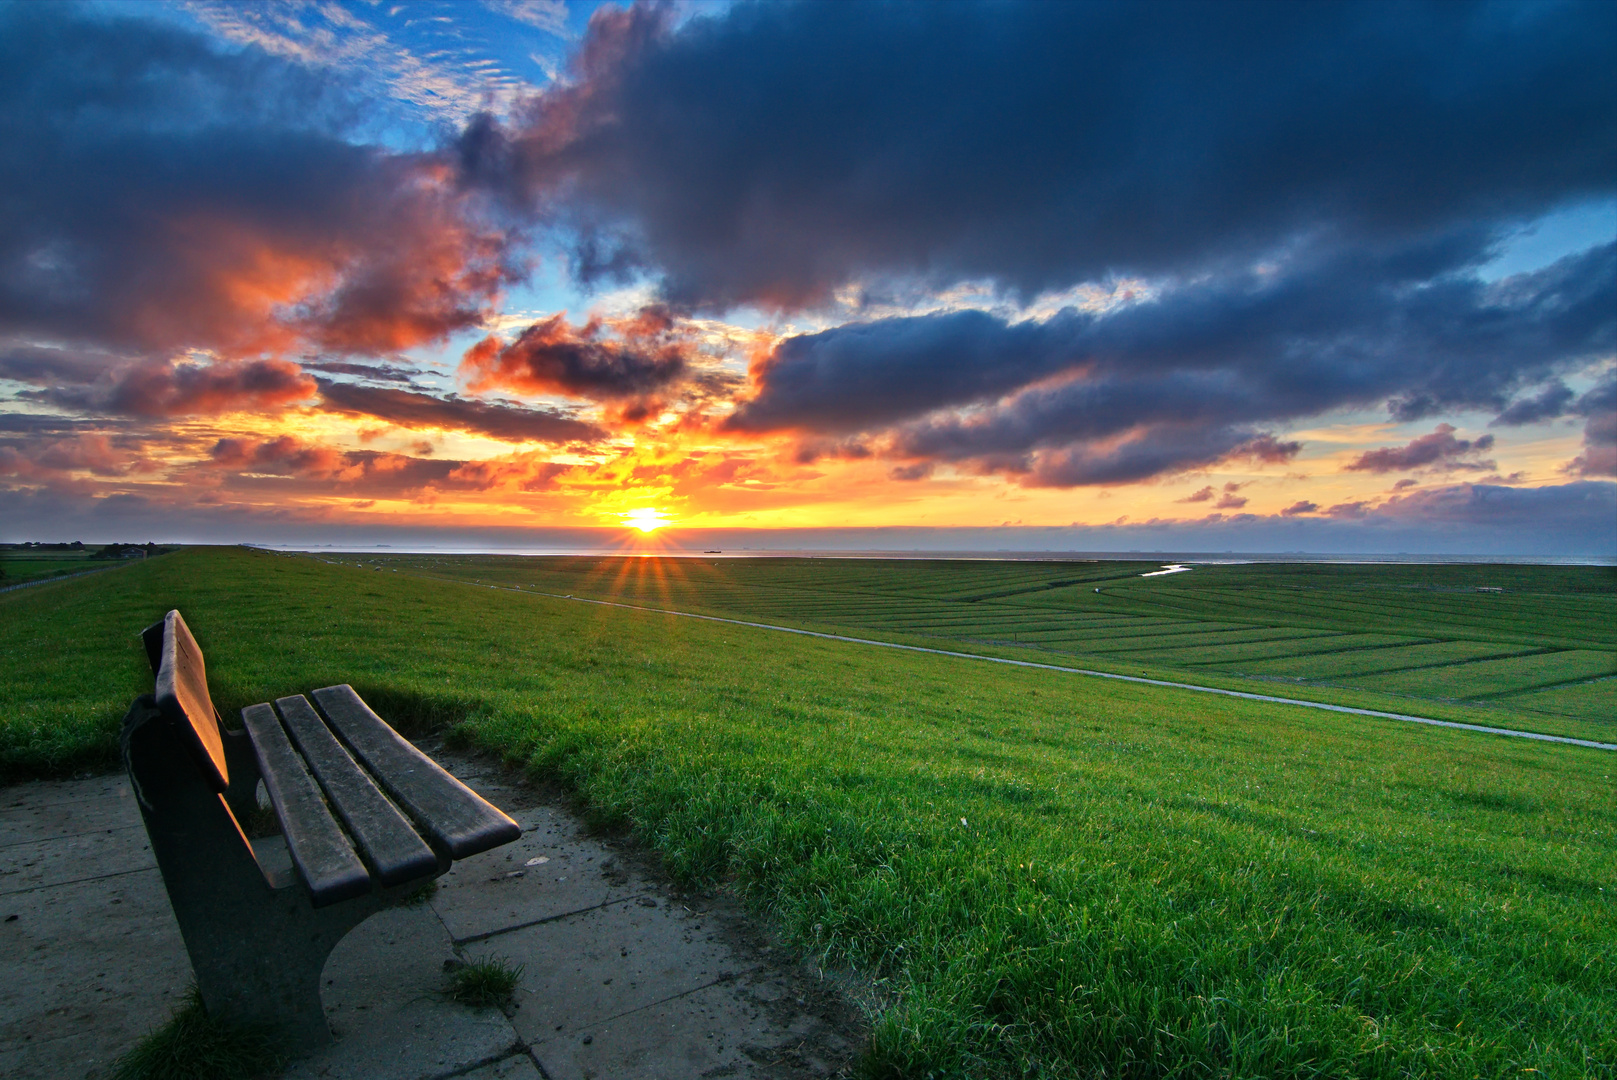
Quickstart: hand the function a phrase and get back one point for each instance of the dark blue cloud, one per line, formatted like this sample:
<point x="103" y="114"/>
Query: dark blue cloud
<point x="1549" y="402"/>
<point x="1310" y="189"/>
<point x="1599" y="406"/>
<point x="1586" y="508"/>
<point x="773" y="151"/>
<point x="1440" y="451"/>
<point x="1188" y="377"/>
<point x="409" y="409"/>
<point x="863" y="375"/>
<point x="43" y="366"/>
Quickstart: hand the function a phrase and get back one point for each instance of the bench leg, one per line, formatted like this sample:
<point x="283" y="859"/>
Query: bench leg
<point x="257" y="949"/>
<point x="266" y="971"/>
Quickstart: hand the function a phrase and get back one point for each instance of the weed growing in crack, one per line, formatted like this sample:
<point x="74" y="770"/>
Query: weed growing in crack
<point x="489" y="981"/>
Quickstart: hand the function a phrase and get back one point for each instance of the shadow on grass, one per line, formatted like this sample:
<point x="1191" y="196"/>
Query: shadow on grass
<point x="414" y="714"/>
<point x="194" y="1046"/>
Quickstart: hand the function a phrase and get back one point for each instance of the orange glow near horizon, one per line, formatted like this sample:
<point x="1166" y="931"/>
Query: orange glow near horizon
<point x="655" y="486"/>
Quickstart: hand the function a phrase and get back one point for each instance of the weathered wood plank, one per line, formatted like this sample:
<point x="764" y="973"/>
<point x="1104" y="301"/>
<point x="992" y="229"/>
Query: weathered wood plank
<point x="320" y="852"/>
<point x="391" y="848"/>
<point x="182" y="695"/>
<point x="455" y="819"/>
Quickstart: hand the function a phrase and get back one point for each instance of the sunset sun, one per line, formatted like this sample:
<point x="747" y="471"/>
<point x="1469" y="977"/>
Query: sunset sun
<point x="647" y="520"/>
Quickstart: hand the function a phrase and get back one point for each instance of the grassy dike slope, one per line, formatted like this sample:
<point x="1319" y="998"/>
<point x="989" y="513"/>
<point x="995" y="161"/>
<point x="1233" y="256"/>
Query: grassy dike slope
<point x="1055" y="876"/>
<point x="1341" y="634"/>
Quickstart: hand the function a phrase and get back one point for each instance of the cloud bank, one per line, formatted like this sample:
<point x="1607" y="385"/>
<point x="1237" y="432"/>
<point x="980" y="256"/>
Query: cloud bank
<point x="1187" y="378"/>
<point x="1016" y="248"/>
<point x="1043" y="144"/>
<point x="1308" y="190"/>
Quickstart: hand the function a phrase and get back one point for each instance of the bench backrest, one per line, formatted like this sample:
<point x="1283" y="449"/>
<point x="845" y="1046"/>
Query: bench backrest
<point x="182" y="692"/>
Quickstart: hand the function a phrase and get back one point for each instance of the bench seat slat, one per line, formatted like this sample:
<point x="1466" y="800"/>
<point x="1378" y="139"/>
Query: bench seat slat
<point x="319" y="850"/>
<point x="390" y="846"/>
<point x="453" y="816"/>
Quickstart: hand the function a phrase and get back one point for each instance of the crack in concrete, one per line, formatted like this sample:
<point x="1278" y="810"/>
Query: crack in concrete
<point x="80" y="881"/>
<point x="474" y="938"/>
<point x="727" y="977"/>
<point x="516" y="1049"/>
<point x="68" y="836"/>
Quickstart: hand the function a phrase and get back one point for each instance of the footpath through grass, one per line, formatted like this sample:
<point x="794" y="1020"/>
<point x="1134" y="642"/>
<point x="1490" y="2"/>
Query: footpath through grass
<point x="18" y="570"/>
<point x="1053" y="876"/>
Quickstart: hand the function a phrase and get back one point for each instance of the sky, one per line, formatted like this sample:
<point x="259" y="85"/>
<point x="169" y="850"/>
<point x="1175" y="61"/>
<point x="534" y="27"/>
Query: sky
<point x="1084" y="276"/>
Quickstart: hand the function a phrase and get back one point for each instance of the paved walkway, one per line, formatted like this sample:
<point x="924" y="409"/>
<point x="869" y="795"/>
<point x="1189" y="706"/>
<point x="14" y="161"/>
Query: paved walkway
<point x="622" y="979"/>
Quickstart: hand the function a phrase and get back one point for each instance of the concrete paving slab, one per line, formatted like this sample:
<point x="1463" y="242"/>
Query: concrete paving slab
<point x="38" y="810"/>
<point x="91" y="963"/>
<point x="383" y="997"/>
<point x="489" y="777"/>
<point x="76" y="857"/>
<point x="7" y="849"/>
<point x="606" y="962"/>
<point x="553" y="869"/>
<point x="85" y="970"/>
<point x="518" y="1066"/>
<point x="719" y="1030"/>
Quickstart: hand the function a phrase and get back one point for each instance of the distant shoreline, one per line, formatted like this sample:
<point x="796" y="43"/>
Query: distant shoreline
<point x="1203" y="557"/>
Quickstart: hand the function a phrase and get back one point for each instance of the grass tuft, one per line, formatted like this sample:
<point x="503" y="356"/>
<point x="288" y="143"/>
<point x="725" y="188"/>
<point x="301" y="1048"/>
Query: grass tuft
<point x="194" y="1046"/>
<point x="490" y="981"/>
<point x="261" y="822"/>
<point x="423" y="894"/>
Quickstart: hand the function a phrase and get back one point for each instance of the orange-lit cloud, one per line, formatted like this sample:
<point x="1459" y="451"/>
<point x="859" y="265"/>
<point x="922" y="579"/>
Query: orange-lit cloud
<point x="602" y="360"/>
<point x="519" y="472"/>
<point x="221" y="202"/>
<point x="91" y="453"/>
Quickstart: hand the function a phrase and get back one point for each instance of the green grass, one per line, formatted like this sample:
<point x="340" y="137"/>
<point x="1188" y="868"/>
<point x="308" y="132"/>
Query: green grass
<point x="1595" y="700"/>
<point x="422" y="895"/>
<point x="1217" y="652"/>
<point x="191" y="1046"/>
<point x="1233" y="626"/>
<point x="14" y="570"/>
<point x="488" y="981"/>
<point x="1051" y="875"/>
<point x="1559" y="606"/>
<point x="1189" y="637"/>
<point x="1503" y="676"/>
<point x="1371" y="661"/>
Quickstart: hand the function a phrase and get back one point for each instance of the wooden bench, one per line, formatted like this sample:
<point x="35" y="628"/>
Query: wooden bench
<point x="367" y="818"/>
